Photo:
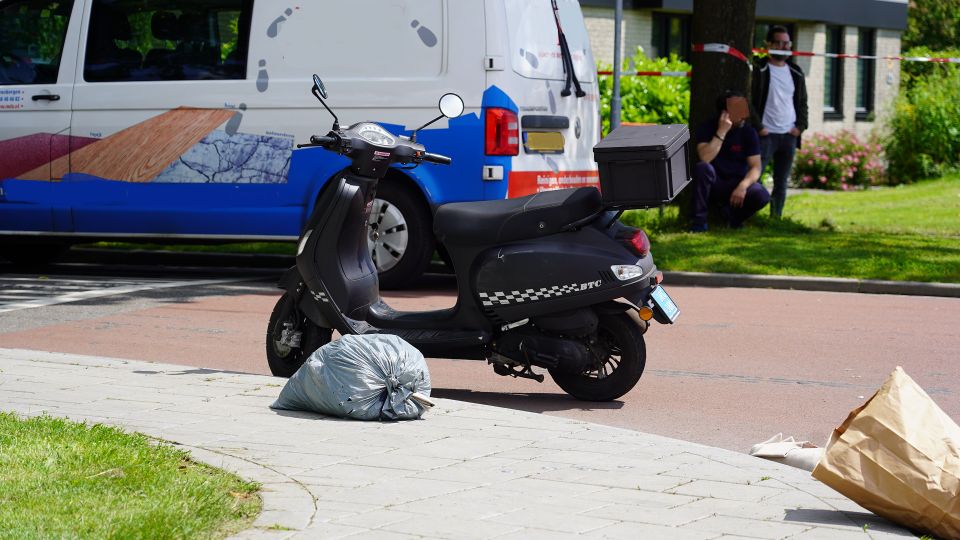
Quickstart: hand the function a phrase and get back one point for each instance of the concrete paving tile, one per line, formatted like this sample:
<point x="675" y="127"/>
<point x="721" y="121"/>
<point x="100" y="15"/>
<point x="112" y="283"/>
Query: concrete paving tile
<point x="346" y="475"/>
<point x="824" y="533"/>
<point x="524" y="453"/>
<point x="875" y="524"/>
<point x="641" y="498"/>
<point x="455" y="509"/>
<point x="538" y="534"/>
<point x="627" y="479"/>
<point x="742" y="509"/>
<point x="711" y="470"/>
<point x="753" y="528"/>
<point x="460" y="529"/>
<point x="328" y="530"/>
<point x="635" y="531"/>
<point x="499" y="471"/>
<point x="546" y="487"/>
<point x="797" y="499"/>
<point x="290" y="519"/>
<point x="399" y="460"/>
<point x="391" y="493"/>
<point x="670" y="517"/>
<point x="263" y="534"/>
<point x="463" y="447"/>
<point x="725" y="490"/>
<point x="374" y="519"/>
<point x="555" y="520"/>
<point x="332" y="510"/>
<point x="382" y="535"/>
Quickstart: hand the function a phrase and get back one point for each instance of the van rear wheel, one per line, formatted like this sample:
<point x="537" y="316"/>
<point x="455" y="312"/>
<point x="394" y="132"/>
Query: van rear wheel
<point x="400" y="236"/>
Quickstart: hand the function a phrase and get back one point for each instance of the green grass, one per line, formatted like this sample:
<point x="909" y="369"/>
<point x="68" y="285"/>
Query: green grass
<point x="60" y="479"/>
<point x="904" y="233"/>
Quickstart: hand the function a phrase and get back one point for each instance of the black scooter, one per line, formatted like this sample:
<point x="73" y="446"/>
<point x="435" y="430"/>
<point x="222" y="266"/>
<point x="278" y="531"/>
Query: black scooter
<point x="551" y="280"/>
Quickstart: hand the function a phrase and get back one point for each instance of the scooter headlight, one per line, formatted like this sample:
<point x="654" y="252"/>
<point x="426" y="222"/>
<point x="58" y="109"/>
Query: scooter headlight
<point x="303" y="241"/>
<point x="626" y="272"/>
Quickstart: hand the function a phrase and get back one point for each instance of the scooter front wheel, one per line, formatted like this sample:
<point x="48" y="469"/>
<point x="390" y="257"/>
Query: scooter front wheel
<point x="291" y="338"/>
<point x="621" y="355"/>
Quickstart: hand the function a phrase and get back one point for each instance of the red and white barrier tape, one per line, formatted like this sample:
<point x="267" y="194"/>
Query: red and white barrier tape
<point x="861" y="56"/>
<point x="732" y="51"/>
<point x="650" y="73"/>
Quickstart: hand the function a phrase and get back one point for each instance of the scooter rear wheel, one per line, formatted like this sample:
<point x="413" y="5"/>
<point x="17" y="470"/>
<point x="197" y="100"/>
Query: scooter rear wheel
<point x="285" y="360"/>
<point x="621" y="356"/>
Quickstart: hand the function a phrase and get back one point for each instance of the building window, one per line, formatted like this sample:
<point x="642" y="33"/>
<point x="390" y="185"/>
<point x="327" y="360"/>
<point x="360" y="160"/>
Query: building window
<point x="31" y="41"/>
<point x="866" y="46"/>
<point x="833" y="76"/>
<point x="179" y="40"/>
<point x="671" y="34"/>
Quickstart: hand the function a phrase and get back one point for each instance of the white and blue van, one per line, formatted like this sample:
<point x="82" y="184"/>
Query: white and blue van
<point x="176" y="120"/>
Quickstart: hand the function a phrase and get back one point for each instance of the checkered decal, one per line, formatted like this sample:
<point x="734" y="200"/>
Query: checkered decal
<point x="321" y="297"/>
<point x="528" y="295"/>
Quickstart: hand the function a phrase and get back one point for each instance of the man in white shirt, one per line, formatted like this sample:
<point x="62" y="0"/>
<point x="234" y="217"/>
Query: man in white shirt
<point x="779" y="97"/>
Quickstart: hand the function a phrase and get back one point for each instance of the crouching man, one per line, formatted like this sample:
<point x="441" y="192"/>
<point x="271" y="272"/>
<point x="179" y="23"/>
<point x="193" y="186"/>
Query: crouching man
<point x="729" y="167"/>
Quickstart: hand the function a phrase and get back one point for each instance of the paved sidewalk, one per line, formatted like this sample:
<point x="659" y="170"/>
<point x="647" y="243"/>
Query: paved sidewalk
<point x="464" y="471"/>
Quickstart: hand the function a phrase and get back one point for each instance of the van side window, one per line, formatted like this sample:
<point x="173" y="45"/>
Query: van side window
<point x="177" y="40"/>
<point x="31" y="40"/>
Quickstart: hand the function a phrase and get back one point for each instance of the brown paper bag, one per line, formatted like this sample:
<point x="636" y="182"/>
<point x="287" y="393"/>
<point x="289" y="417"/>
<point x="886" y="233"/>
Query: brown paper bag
<point x="898" y="457"/>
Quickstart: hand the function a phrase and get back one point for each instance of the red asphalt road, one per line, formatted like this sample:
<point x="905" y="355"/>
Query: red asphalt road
<point x="739" y="366"/>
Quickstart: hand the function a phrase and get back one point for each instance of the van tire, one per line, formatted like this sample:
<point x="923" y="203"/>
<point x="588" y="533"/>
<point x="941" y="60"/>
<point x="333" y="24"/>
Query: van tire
<point x="395" y="202"/>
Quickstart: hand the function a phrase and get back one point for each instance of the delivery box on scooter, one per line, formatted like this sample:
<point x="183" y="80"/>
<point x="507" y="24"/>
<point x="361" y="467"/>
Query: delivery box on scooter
<point x="643" y="166"/>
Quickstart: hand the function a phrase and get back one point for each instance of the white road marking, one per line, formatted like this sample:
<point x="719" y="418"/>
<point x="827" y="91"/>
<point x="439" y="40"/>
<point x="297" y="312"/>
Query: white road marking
<point x="25" y="292"/>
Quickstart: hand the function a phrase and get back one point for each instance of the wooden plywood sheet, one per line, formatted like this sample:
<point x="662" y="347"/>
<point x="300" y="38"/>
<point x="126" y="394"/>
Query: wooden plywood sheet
<point x="142" y="151"/>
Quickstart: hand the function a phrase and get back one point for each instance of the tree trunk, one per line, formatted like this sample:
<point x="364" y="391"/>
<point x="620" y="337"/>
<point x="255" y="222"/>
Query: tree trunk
<point x="716" y="21"/>
<point x="729" y="22"/>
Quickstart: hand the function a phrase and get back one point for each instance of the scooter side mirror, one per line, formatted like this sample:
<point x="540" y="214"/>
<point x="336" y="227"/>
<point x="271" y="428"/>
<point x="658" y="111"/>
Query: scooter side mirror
<point x="318" y="84"/>
<point x="320" y="92"/>
<point x="451" y="105"/>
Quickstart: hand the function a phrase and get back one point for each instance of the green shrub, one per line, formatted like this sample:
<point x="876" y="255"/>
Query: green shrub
<point x="838" y="161"/>
<point x="653" y="100"/>
<point x="923" y="138"/>
<point x="913" y="72"/>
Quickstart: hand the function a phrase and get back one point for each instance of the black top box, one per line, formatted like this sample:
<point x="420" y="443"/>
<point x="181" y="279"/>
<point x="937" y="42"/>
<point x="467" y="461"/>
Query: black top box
<point x="643" y="166"/>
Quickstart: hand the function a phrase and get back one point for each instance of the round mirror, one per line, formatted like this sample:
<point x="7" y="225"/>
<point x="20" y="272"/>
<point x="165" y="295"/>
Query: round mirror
<point x="319" y="84"/>
<point x="451" y="105"/>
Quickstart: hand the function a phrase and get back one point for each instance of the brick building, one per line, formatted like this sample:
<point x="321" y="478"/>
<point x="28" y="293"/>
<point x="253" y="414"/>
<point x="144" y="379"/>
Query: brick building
<point x="843" y="93"/>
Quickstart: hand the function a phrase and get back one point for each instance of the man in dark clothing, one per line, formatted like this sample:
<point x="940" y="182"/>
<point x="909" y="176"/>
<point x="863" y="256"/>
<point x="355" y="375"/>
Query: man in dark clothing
<point x="729" y="151"/>
<point x="780" y="112"/>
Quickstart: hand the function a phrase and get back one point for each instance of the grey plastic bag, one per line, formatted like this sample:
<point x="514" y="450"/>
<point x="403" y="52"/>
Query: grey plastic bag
<point x="367" y="377"/>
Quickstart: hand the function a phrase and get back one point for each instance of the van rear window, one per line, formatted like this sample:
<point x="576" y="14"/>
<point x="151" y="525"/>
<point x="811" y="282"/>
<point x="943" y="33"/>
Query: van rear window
<point x="172" y="40"/>
<point x="31" y="40"/>
<point x="534" y="42"/>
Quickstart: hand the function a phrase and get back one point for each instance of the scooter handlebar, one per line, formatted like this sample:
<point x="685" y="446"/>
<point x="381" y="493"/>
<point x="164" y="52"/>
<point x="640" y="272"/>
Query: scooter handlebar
<point x="437" y="158"/>
<point x="317" y="140"/>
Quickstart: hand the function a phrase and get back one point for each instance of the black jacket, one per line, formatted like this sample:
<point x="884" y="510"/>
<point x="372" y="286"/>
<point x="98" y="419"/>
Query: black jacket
<point x="761" y="87"/>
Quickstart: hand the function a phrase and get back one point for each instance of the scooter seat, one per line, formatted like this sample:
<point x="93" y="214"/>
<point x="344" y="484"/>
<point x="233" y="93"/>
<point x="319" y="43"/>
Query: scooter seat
<point x="500" y="221"/>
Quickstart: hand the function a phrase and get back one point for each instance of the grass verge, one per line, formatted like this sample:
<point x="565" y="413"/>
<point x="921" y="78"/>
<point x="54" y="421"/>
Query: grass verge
<point x="61" y="479"/>
<point x="906" y="233"/>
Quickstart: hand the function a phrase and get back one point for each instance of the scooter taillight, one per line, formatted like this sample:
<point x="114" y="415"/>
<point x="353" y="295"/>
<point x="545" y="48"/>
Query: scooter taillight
<point x="502" y="132"/>
<point x="637" y="241"/>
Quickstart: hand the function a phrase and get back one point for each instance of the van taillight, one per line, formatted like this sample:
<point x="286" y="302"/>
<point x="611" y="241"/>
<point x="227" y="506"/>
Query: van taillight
<point x="502" y="133"/>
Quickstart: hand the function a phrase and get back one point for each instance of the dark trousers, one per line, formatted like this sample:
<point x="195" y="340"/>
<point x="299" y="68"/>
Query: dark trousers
<point x="709" y="187"/>
<point x="780" y="149"/>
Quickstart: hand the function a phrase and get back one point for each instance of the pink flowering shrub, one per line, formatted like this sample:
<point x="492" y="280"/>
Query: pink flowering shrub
<point x="838" y="161"/>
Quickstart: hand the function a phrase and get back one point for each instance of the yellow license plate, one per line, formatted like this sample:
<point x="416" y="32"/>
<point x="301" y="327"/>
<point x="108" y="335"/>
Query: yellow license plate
<point x="543" y="142"/>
